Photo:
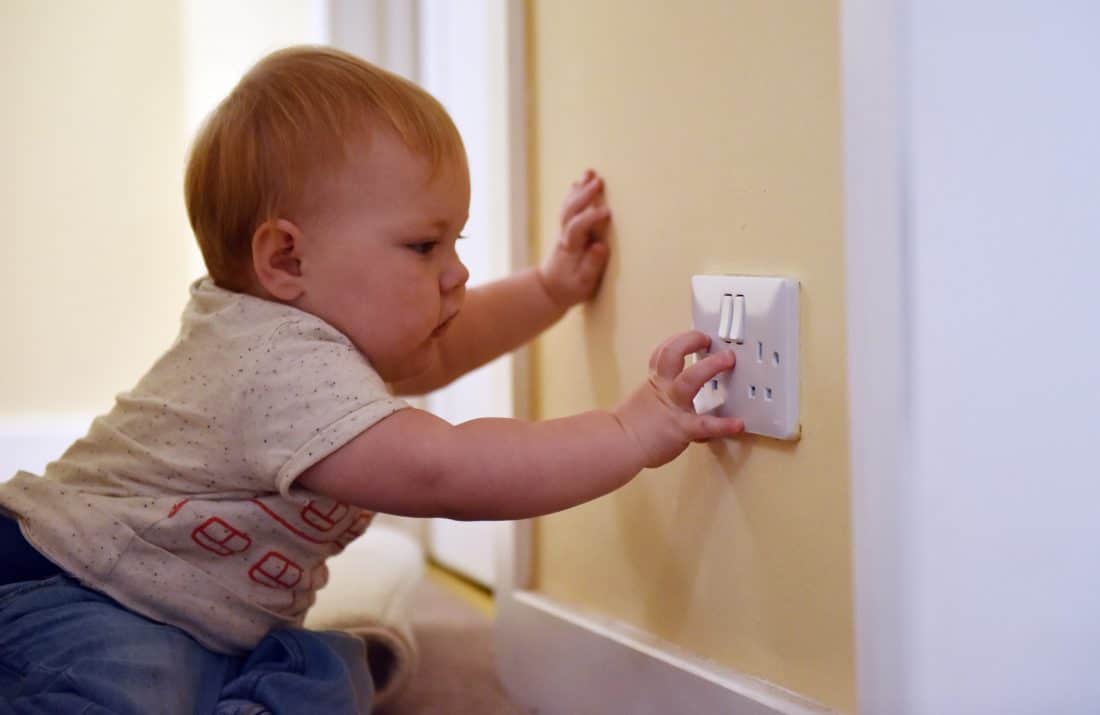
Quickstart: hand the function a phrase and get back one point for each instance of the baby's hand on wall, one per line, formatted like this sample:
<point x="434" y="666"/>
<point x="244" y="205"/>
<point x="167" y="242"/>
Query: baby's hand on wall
<point x="571" y="273"/>
<point x="660" y="416"/>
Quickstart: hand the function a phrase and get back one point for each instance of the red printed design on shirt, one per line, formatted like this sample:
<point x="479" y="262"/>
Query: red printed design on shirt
<point x="322" y="518"/>
<point x="358" y="524"/>
<point x="356" y="528"/>
<point x="275" y="571"/>
<point x="219" y="537"/>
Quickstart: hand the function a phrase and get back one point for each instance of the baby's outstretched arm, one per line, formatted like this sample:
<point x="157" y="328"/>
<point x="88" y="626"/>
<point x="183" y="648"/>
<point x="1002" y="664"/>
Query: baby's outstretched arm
<point x="412" y="463"/>
<point x="501" y="316"/>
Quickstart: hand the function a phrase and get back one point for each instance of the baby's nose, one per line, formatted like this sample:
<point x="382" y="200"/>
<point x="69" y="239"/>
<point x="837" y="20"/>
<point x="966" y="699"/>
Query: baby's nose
<point x="454" y="277"/>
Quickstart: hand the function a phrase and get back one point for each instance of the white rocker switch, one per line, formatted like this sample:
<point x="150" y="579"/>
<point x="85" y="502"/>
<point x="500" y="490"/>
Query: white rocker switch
<point x="725" y="317"/>
<point x="737" y="325"/>
<point x="731" y="319"/>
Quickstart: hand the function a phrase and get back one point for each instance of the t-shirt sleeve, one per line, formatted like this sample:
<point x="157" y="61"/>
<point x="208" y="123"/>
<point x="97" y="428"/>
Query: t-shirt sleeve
<point x="311" y="393"/>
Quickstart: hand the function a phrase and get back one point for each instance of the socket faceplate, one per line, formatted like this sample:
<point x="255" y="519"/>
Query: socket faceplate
<point x="763" y="388"/>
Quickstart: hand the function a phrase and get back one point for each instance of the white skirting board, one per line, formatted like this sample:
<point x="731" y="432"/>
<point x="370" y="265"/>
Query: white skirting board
<point x="559" y="661"/>
<point x="30" y="443"/>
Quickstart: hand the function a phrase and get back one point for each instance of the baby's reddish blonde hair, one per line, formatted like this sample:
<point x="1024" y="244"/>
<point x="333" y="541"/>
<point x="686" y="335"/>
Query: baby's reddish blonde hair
<point x="289" y="121"/>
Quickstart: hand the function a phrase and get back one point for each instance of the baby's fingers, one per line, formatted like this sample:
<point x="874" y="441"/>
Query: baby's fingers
<point x="667" y="360"/>
<point x="579" y="229"/>
<point x="690" y="381"/>
<point x="580" y="197"/>
<point x="588" y="174"/>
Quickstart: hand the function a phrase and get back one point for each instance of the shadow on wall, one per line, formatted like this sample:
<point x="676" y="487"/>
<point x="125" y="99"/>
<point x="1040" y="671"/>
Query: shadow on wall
<point x="675" y="523"/>
<point x="599" y="336"/>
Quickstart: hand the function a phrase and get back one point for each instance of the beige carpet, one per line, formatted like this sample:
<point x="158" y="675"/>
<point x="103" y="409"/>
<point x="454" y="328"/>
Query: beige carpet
<point x="457" y="673"/>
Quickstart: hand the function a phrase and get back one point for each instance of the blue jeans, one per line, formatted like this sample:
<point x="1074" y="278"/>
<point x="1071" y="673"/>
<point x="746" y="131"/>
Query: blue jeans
<point x="66" y="649"/>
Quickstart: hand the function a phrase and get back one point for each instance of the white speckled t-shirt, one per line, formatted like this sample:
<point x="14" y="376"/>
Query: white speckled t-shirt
<point x="180" y="502"/>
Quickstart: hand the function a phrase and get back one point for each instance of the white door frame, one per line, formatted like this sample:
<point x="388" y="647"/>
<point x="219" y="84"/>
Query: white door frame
<point x="877" y="322"/>
<point x="974" y="520"/>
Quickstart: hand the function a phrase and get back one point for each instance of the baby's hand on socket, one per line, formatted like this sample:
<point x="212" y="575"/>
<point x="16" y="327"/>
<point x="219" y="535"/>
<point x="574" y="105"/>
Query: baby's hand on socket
<point x="659" y="414"/>
<point x="572" y="271"/>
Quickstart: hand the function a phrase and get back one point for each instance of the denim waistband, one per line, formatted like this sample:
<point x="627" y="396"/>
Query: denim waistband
<point x="19" y="561"/>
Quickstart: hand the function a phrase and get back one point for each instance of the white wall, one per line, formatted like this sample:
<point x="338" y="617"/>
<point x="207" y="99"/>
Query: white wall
<point x="973" y="226"/>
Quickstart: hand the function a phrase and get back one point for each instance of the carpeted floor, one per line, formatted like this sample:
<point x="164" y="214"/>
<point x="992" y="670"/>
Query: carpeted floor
<point x="457" y="673"/>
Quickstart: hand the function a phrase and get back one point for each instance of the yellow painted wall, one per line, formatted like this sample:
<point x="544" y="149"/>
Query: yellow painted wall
<point x="717" y="126"/>
<point x="95" y="235"/>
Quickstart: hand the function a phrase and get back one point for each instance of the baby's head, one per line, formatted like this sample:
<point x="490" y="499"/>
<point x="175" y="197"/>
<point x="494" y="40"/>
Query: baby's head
<point x="330" y="184"/>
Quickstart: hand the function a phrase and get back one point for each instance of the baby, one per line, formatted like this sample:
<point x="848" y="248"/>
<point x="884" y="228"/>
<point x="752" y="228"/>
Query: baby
<point x="166" y="561"/>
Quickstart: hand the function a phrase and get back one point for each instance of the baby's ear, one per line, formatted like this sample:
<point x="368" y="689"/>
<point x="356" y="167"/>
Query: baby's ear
<point x="276" y="258"/>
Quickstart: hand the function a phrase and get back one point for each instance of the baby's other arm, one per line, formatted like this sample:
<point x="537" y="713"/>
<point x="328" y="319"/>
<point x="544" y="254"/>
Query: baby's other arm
<point x="414" y="464"/>
<point x="500" y="316"/>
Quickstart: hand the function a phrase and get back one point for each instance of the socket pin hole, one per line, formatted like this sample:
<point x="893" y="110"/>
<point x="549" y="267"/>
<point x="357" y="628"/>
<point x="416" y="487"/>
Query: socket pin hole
<point x="775" y="359"/>
<point x="768" y="394"/>
<point x="752" y="392"/>
<point x="714" y="384"/>
<point x="760" y="352"/>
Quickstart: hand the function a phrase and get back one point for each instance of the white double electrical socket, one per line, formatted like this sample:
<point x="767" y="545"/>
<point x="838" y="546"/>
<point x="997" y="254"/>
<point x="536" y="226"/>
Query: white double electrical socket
<point x="756" y="317"/>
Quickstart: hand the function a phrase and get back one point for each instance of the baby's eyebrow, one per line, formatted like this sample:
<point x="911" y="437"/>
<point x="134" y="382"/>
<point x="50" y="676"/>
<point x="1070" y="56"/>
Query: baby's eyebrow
<point x="442" y="226"/>
<point x="428" y="227"/>
<point x="427" y="223"/>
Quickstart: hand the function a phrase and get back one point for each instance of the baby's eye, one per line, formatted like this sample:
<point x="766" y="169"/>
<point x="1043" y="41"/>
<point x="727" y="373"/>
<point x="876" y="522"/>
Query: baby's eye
<point x="423" y="247"/>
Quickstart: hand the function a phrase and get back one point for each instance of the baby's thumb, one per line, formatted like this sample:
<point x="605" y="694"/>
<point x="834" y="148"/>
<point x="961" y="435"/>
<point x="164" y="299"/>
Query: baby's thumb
<point x="594" y="261"/>
<point x="713" y="427"/>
